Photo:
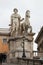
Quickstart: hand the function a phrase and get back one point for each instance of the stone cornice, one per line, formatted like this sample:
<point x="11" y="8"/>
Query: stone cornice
<point x="4" y="34"/>
<point x="19" y="38"/>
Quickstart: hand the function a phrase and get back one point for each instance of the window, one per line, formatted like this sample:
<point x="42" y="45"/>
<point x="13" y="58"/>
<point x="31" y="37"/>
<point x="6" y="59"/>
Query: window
<point x="4" y="40"/>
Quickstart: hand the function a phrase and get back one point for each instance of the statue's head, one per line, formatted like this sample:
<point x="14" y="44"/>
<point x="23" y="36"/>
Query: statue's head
<point x="15" y="10"/>
<point x="27" y="13"/>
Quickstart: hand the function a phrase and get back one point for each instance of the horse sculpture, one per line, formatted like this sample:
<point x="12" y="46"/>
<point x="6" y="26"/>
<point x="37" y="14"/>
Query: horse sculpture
<point x="25" y="24"/>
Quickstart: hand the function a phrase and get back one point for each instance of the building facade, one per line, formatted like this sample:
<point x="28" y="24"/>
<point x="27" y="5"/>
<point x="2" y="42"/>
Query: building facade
<point x="4" y="35"/>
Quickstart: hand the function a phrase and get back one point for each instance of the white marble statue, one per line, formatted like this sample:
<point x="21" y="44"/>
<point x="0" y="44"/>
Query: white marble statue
<point x="26" y="23"/>
<point x="18" y="24"/>
<point x="15" y="21"/>
<point x="27" y="16"/>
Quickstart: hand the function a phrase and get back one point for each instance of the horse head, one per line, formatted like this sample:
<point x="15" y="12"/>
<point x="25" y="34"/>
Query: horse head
<point x="27" y="14"/>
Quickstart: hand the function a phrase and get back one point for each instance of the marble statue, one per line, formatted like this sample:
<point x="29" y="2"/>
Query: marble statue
<point x="18" y="24"/>
<point x="15" y="20"/>
<point x="26" y="23"/>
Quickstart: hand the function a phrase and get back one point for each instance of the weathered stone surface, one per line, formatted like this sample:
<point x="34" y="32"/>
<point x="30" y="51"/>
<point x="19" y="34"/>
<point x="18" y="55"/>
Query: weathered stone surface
<point x="21" y="28"/>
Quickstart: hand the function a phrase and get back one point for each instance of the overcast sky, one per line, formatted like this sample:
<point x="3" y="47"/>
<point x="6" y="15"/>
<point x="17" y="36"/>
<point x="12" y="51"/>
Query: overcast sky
<point x="35" y="7"/>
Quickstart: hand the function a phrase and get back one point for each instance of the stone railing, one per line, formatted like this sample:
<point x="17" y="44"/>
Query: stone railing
<point x="38" y="54"/>
<point x="26" y="61"/>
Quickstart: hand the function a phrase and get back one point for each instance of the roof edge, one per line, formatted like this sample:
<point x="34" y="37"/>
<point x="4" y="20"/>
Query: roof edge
<point x="37" y="38"/>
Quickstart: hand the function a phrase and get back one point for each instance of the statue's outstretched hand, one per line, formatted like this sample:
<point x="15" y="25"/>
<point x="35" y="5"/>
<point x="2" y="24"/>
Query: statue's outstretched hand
<point x="22" y="19"/>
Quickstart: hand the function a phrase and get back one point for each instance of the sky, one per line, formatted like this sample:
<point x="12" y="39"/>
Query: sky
<point x="36" y="13"/>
